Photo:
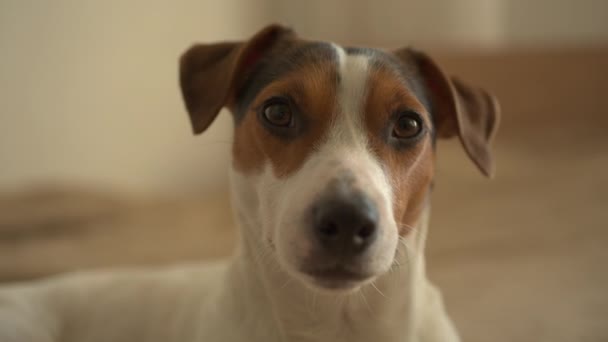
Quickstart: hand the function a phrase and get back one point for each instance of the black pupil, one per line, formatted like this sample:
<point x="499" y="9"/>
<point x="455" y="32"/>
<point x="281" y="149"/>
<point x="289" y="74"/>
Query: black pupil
<point x="278" y="114"/>
<point x="407" y="126"/>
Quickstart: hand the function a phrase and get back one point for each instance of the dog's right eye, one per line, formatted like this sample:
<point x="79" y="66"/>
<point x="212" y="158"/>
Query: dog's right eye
<point x="278" y="113"/>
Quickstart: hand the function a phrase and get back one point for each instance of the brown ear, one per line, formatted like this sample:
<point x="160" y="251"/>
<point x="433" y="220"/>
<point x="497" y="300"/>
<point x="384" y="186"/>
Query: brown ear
<point x="210" y="73"/>
<point x="458" y="108"/>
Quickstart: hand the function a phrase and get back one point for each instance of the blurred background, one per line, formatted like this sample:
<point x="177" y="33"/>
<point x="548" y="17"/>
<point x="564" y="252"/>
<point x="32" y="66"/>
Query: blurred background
<point x="98" y="166"/>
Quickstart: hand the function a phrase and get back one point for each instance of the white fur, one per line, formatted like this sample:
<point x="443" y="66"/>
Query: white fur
<point x="259" y="296"/>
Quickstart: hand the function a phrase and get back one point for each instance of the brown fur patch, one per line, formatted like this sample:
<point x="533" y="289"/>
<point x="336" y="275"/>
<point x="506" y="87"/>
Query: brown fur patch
<point x="313" y="90"/>
<point x="409" y="170"/>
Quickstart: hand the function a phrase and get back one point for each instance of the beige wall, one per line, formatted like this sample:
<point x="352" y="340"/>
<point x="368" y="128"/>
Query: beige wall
<point x="450" y="23"/>
<point x="396" y="22"/>
<point x="556" y="22"/>
<point x="88" y="92"/>
<point x="88" y="89"/>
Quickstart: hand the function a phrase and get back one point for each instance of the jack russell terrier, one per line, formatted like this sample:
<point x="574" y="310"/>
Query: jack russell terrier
<point x="333" y="162"/>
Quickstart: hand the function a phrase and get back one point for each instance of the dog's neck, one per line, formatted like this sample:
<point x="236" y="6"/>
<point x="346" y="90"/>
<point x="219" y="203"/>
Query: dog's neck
<point x="291" y="311"/>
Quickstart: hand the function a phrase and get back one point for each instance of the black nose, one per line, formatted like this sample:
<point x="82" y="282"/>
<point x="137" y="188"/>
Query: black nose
<point x="346" y="225"/>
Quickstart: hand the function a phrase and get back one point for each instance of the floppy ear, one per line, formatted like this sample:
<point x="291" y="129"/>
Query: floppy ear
<point x="210" y="74"/>
<point x="459" y="109"/>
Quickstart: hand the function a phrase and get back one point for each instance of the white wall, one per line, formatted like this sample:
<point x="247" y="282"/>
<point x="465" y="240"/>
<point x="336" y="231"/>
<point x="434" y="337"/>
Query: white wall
<point x="88" y="93"/>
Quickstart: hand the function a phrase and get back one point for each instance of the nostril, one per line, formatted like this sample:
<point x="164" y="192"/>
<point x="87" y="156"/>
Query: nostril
<point x="363" y="235"/>
<point x="366" y="231"/>
<point x="328" y="229"/>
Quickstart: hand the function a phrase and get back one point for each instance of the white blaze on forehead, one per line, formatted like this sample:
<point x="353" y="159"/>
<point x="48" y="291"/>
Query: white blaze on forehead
<point x="353" y="72"/>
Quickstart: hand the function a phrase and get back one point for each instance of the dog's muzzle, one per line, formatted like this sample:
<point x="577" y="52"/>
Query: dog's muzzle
<point x="343" y="225"/>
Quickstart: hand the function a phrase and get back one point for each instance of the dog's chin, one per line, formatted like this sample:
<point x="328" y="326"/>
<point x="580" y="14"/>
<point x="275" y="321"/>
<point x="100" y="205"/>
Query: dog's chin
<point x="336" y="286"/>
<point x="335" y="280"/>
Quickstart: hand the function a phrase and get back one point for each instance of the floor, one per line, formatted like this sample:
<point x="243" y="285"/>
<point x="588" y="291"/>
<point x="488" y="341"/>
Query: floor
<point x="520" y="258"/>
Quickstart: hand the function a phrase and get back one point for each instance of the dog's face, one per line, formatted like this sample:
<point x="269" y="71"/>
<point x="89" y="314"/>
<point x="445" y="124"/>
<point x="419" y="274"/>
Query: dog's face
<point x="334" y="147"/>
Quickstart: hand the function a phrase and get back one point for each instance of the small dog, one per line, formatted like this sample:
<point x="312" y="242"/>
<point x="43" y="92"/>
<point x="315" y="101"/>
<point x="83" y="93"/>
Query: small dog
<point x="333" y="162"/>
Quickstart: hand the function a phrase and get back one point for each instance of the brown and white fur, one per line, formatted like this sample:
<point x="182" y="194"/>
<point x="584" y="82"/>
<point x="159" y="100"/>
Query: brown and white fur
<point x="283" y="284"/>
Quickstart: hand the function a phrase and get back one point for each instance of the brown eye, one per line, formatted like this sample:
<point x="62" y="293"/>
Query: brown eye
<point x="278" y="114"/>
<point x="409" y="125"/>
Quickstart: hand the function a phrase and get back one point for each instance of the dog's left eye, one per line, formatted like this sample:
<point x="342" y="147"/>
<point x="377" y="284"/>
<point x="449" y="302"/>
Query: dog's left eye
<point x="278" y="113"/>
<point x="407" y="126"/>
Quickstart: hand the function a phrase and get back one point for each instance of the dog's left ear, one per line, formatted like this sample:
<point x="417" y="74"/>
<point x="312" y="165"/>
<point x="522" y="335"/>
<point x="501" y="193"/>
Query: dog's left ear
<point x="458" y="109"/>
<point x="210" y="74"/>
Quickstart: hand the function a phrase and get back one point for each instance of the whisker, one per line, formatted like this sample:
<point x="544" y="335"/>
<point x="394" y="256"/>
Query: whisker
<point x="377" y="289"/>
<point x="409" y="227"/>
<point x="396" y="261"/>
<point x="369" y="308"/>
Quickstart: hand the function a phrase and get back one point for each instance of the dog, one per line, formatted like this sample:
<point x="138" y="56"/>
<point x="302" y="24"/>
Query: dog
<point x="332" y="171"/>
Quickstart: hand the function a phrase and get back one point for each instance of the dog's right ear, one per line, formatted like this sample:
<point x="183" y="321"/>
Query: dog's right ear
<point x="210" y="74"/>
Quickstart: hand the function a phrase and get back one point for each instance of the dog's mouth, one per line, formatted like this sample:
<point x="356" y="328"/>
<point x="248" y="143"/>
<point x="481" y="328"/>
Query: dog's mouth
<point x="337" y="277"/>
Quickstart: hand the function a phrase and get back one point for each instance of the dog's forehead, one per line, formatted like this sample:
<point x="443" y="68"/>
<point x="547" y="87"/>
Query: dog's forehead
<point x="405" y="70"/>
<point x="285" y="60"/>
<point x="280" y="62"/>
<point x="344" y="98"/>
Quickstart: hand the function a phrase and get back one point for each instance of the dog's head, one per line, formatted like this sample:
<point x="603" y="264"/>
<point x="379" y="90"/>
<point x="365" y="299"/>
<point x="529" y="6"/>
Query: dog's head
<point x="333" y="147"/>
